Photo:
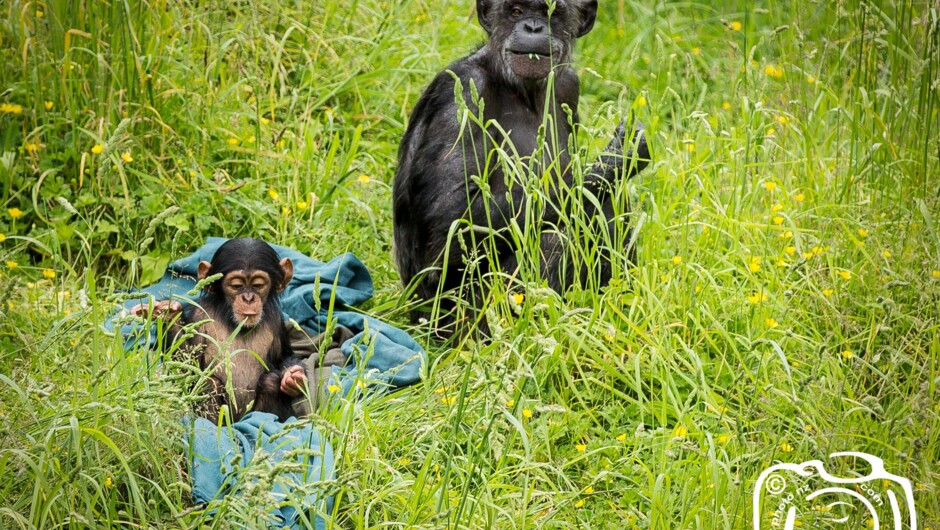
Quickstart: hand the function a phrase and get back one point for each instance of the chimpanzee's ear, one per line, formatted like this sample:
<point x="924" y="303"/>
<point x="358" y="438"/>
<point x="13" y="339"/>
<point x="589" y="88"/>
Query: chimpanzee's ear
<point x="203" y="272"/>
<point x="485" y="15"/>
<point x="588" y="14"/>
<point x="288" y="267"/>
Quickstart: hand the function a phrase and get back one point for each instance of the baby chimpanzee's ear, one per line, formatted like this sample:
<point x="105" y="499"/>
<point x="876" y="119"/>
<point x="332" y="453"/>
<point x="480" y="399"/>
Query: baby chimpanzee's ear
<point x="203" y="271"/>
<point x="288" y="267"/>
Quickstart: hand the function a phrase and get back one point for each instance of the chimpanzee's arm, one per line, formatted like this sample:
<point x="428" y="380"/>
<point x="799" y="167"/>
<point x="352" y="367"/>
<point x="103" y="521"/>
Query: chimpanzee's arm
<point x="613" y="164"/>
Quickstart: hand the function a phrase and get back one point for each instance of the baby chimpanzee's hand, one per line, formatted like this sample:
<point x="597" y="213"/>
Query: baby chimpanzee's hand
<point x="294" y="381"/>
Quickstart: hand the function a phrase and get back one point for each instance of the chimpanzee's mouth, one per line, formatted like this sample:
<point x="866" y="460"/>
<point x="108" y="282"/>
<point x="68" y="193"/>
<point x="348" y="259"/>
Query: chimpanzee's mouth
<point x="534" y="56"/>
<point x="530" y="65"/>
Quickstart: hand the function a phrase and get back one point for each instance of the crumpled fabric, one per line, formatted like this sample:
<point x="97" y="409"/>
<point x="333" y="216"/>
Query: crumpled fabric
<point x="285" y="458"/>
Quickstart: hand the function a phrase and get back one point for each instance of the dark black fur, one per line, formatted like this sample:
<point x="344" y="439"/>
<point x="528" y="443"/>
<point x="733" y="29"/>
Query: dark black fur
<point x="432" y="187"/>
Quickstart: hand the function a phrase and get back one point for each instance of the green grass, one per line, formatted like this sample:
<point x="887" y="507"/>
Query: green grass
<point x="785" y="303"/>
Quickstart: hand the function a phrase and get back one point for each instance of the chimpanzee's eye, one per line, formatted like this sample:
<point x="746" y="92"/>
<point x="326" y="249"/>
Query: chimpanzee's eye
<point x="516" y="11"/>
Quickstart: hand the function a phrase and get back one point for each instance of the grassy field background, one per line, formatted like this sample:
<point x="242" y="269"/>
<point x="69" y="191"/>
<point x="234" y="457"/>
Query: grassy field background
<point x="785" y="304"/>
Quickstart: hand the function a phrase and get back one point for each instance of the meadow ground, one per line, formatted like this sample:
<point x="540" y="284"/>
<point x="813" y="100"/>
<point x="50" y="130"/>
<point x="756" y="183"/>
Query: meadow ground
<point x="784" y="307"/>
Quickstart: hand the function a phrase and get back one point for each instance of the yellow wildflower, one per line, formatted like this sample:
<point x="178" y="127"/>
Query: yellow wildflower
<point x="726" y="106"/>
<point x="285" y="211"/>
<point x="781" y="119"/>
<point x="48" y="274"/>
<point x="773" y="71"/>
<point x="776" y="208"/>
<point x="449" y="400"/>
<point x="862" y="232"/>
<point x="274" y="194"/>
<point x="790" y="250"/>
<point x="31" y="147"/>
<point x="581" y="447"/>
<point x="11" y="264"/>
<point x="935" y="274"/>
<point x="364" y="179"/>
<point x="126" y="157"/>
<point x="518" y="298"/>
<point x="526" y="413"/>
<point x="48" y="105"/>
<point x="723" y="438"/>
<point x="828" y="292"/>
<point x="108" y="482"/>
<point x="771" y="323"/>
<point x="799" y="197"/>
<point x="680" y="431"/>
<point x="786" y="235"/>
<point x="3" y="237"/>
<point x="265" y="121"/>
<point x="754" y="264"/>
<point x="808" y="427"/>
<point x="690" y="146"/>
<point x="810" y="79"/>
<point x="641" y="101"/>
<point x="770" y="185"/>
<point x="622" y="437"/>
<point x="845" y="275"/>
<point x="735" y="25"/>
<point x="11" y="108"/>
<point x="333" y="389"/>
<point x="778" y="220"/>
<point x="847" y="354"/>
<point x="756" y="298"/>
<point x="579" y="504"/>
<point x="886" y="253"/>
<point x="786" y="448"/>
<point x="232" y="141"/>
<point x="15" y="213"/>
<point x="301" y="205"/>
<point x="97" y="149"/>
<point x="781" y="262"/>
<point x="676" y="260"/>
<point x="589" y="490"/>
<point x="696" y="51"/>
<point x="511" y="403"/>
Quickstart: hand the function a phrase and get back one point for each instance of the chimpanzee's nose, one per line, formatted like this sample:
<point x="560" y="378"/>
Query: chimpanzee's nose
<point x="533" y="26"/>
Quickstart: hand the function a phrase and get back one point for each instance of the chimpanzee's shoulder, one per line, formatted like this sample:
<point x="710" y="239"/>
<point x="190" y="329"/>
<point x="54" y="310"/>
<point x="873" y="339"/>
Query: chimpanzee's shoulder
<point x="470" y="67"/>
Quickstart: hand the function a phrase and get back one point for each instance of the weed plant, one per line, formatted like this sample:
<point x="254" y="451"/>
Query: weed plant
<point x="784" y="304"/>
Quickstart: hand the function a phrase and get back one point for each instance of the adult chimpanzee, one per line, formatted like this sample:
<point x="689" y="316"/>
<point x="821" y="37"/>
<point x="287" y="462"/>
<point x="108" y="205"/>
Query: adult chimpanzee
<point x="256" y="365"/>
<point x="526" y="89"/>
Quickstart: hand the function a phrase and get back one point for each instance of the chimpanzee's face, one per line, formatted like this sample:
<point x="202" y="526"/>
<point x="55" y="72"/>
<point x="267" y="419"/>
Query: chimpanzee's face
<point x="532" y="36"/>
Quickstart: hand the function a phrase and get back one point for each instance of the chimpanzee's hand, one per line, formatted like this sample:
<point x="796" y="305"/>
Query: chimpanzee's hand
<point x="162" y="309"/>
<point x="294" y="381"/>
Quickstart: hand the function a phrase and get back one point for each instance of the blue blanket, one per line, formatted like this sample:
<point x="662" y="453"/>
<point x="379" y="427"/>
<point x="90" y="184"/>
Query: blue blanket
<point x="290" y="460"/>
<point x="381" y="357"/>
